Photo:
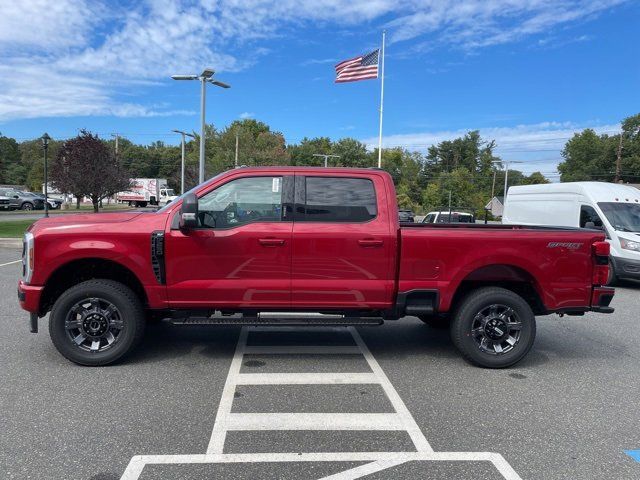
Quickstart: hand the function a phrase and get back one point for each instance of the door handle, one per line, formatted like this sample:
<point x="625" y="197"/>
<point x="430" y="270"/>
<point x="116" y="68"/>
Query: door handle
<point x="370" y="243"/>
<point x="271" y="242"/>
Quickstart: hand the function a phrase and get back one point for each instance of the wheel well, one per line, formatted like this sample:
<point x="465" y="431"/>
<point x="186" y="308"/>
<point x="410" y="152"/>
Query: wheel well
<point x="509" y="277"/>
<point x="79" y="271"/>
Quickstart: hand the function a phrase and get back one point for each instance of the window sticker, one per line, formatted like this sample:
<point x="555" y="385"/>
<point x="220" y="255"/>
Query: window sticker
<point x="275" y="185"/>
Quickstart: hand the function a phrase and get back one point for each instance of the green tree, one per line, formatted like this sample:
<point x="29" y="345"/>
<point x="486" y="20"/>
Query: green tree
<point x="10" y="171"/>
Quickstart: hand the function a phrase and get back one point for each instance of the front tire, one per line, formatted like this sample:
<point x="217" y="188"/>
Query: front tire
<point x="493" y="327"/>
<point x="96" y="322"/>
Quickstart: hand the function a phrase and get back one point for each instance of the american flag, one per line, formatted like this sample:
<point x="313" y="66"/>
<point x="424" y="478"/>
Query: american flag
<point x="358" y="68"/>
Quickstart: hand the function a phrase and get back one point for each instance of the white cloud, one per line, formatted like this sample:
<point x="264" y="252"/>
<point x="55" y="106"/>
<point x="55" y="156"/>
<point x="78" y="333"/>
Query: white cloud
<point x="47" y="48"/>
<point x="245" y="115"/>
<point x="473" y="24"/>
<point x="538" y="146"/>
<point x="47" y="25"/>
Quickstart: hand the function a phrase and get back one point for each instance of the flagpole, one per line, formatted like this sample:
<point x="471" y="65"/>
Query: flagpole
<point x="381" y="103"/>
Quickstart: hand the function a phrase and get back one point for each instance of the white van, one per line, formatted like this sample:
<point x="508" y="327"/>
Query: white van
<point x="608" y="206"/>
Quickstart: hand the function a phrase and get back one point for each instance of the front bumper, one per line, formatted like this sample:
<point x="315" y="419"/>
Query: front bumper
<point x="29" y="297"/>
<point x="626" y="268"/>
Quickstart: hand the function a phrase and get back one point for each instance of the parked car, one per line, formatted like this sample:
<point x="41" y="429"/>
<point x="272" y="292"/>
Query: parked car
<point x="20" y="201"/>
<point x="406" y="216"/>
<point x="5" y="202"/>
<point x="446" y="216"/>
<point x="54" y="203"/>
<point x="614" y="209"/>
<point x="323" y="245"/>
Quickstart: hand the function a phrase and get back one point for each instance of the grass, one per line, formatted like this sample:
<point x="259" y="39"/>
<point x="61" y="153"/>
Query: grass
<point x="14" y="228"/>
<point x="84" y="208"/>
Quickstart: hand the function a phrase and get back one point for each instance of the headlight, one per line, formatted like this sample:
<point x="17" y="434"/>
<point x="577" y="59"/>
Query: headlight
<point x="27" y="257"/>
<point x="630" y="245"/>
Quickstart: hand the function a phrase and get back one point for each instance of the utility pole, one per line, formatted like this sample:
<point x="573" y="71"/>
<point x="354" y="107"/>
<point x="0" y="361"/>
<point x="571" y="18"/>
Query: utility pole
<point x="618" y="160"/>
<point x="236" y="161"/>
<point x="326" y="158"/>
<point x="182" y="149"/>
<point x="117" y="137"/>
<point x="506" y="175"/>
<point x="493" y="185"/>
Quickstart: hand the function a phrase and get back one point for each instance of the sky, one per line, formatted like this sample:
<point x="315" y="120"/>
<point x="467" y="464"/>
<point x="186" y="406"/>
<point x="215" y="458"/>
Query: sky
<point x="527" y="74"/>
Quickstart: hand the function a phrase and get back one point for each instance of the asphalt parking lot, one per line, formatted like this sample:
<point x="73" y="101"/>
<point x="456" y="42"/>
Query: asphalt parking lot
<point x="568" y="411"/>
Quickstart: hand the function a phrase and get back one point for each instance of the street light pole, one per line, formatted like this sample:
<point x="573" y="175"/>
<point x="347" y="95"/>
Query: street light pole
<point x="182" y="134"/>
<point x="326" y="158"/>
<point x="204" y="77"/>
<point x="45" y="146"/>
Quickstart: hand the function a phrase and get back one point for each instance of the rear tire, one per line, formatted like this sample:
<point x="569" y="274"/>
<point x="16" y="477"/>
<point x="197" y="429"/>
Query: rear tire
<point x="493" y="327"/>
<point x="96" y="322"/>
<point x="27" y="206"/>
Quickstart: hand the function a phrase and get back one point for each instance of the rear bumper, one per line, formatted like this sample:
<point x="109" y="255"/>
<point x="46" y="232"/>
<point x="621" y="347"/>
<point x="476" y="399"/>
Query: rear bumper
<point x="29" y="297"/>
<point x="626" y="268"/>
<point x="601" y="298"/>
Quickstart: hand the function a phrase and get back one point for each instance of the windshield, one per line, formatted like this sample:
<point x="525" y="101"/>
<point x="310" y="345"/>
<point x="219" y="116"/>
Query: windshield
<point x="624" y="217"/>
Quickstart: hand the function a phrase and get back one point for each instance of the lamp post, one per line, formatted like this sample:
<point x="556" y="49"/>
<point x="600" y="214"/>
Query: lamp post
<point x="182" y="148"/>
<point x="204" y="77"/>
<point x="45" y="147"/>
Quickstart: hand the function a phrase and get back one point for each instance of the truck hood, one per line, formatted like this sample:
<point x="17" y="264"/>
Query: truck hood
<point x="63" y="220"/>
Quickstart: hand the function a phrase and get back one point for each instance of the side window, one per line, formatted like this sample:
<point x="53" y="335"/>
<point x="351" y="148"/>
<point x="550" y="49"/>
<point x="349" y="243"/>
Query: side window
<point x="333" y="199"/>
<point x="588" y="214"/>
<point x="242" y="201"/>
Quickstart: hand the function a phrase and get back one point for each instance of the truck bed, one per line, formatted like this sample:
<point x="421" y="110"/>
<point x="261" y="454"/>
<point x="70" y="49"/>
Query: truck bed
<point x="556" y="261"/>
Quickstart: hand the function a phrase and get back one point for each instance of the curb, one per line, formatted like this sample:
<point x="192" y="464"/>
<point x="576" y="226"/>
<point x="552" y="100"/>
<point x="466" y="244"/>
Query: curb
<point x="10" y="242"/>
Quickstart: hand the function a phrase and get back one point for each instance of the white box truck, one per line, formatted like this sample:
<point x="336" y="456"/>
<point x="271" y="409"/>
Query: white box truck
<point x="147" y="191"/>
<point x="611" y="207"/>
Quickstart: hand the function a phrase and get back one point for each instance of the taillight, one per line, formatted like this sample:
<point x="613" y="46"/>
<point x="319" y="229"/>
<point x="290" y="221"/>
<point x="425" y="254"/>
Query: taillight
<point x="601" y="249"/>
<point x="601" y="263"/>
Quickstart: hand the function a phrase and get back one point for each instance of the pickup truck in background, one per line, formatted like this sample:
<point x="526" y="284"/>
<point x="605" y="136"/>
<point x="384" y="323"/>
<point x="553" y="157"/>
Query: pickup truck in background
<point x="303" y="246"/>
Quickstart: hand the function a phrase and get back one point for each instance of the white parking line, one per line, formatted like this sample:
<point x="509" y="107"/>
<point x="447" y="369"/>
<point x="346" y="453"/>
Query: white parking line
<point x="10" y="263"/>
<point x="314" y="421"/>
<point x="302" y="350"/>
<point x="305" y="378"/>
<point x="400" y="420"/>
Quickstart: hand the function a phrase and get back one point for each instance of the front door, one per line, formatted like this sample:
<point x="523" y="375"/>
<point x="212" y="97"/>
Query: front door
<point x="343" y="244"/>
<point x="240" y="256"/>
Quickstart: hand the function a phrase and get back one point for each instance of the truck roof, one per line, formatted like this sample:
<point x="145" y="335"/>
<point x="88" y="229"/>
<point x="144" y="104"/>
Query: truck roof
<point x="310" y="169"/>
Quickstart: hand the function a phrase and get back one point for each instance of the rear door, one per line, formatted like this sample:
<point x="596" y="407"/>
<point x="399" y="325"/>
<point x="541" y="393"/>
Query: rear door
<point x="343" y="247"/>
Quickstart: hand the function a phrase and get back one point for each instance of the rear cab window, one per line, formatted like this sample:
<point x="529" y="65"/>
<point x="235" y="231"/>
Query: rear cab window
<point x="337" y="199"/>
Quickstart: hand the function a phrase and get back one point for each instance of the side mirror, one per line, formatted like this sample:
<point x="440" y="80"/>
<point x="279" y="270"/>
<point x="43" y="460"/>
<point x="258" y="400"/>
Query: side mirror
<point x="189" y="212"/>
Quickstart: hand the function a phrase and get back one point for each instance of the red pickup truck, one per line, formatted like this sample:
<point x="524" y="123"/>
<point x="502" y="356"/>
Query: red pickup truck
<point x="302" y="245"/>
